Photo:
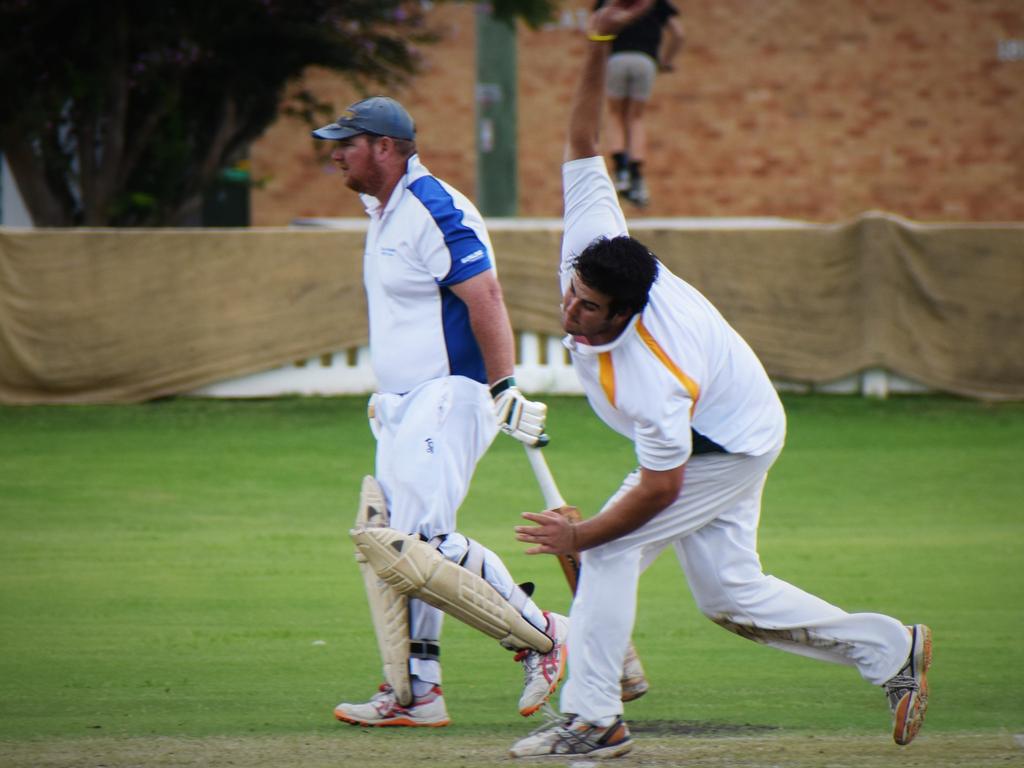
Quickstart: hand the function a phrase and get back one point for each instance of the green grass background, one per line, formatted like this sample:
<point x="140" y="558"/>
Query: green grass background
<point x="182" y="567"/>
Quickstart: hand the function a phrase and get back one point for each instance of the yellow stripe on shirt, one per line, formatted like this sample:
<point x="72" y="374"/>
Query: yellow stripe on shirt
<point x="606" y="374"/>
<point x="688" y="384"/>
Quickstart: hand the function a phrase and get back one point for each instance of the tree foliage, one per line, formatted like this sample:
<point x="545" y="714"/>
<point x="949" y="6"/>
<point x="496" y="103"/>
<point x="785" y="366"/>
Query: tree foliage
<point x="121" y="113"/>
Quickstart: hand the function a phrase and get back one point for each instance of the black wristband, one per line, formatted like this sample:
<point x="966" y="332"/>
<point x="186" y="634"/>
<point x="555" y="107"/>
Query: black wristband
<point x="502" y="384"/>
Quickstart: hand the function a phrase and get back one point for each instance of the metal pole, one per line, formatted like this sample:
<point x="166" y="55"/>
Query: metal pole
<point x="495" y="114"/>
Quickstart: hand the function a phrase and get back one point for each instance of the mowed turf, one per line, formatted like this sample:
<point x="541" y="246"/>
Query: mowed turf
<point x="182" y="569"/>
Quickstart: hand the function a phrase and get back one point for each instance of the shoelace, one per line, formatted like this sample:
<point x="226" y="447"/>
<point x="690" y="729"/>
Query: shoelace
<point x="552" y="719"/>
<point x="386" y="695"/>
<point x="899" y="685"/>
<point x="529" y="660"/>
<point x="383" y="691"/>
<point x="385" y="701"/>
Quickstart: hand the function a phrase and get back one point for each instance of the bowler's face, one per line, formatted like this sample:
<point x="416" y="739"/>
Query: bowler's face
<point x="355" y="157"/>
<point x="586" y="312"/>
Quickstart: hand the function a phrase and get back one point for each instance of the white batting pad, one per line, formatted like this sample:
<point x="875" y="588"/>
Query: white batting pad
<point x="416" y="569"/>
<point x="389" y="610"/>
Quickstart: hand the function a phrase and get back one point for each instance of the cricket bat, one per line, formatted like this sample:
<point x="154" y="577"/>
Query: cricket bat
<point x="553" y="500"/>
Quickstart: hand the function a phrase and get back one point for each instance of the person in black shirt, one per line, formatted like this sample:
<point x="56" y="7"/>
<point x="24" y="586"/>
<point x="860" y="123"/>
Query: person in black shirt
<point x="639" y="51"/>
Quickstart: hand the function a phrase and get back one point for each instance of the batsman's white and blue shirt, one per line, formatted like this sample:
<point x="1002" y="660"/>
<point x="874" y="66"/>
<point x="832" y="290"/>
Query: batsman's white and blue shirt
<point x="427" y="238"/>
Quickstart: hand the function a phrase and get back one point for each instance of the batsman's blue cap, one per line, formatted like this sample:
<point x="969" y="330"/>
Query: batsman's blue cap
<point x="378" y="115"/>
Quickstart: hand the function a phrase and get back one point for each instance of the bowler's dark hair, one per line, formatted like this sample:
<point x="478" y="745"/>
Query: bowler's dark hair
<point x="622" y="268"/>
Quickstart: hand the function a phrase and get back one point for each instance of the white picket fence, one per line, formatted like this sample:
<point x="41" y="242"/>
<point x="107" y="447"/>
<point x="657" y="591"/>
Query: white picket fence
<point x="543" y="367"/>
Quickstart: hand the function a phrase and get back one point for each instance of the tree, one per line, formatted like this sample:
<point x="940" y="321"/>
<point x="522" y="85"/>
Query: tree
<point x="119" y="113"/>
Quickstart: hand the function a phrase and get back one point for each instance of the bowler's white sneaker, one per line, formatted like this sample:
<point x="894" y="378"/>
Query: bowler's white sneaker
<point x="383" y="709"/>
<point x="543" y="671"/>
<point x="575" y="736"/>
<point x="907" y="690"/>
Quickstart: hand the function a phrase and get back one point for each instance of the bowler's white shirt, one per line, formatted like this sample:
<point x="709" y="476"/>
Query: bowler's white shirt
<point x="678" y="365"/>
<point x="427" y="237"/>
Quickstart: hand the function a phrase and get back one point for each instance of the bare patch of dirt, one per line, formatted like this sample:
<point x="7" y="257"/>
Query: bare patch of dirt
<point x="382" y="749"/>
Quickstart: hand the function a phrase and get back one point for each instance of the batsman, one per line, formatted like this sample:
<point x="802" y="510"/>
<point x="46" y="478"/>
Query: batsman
<point x="441" y="348"/>
<point x="661" y="366"/>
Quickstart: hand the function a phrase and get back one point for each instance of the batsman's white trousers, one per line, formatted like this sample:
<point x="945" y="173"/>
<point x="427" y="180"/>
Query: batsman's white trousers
<point x="713" y="528"/>
<point x="428" y="444"/>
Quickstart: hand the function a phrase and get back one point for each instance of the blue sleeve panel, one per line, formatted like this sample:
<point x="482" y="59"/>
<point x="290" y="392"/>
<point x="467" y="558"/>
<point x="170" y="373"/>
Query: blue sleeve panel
<point x="468" y="254"/>
<point x="469" y="257"/>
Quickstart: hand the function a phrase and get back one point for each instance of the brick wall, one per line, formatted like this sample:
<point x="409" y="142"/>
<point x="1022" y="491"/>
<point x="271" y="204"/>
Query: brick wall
<point x="809" y="109"/>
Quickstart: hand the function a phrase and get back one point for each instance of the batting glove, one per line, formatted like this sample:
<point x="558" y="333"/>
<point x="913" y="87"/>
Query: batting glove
<point x="521" y="418"/>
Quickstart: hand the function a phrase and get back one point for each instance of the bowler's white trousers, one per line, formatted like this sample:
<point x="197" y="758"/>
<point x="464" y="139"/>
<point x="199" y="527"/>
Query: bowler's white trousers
<point x="429" y="441"/>
<point x="713" y="528"/>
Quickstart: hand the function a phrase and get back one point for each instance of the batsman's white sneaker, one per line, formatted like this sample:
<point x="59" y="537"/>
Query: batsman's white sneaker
<point x="543" y="671"/>
<point x="575" y="736"/>
<point x="633" y="682"/>
<point x="383" y="709"/>
<point x="907" y="690"/>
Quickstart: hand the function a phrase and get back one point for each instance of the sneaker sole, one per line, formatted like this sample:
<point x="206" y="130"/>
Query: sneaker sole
<point x="394" y="721"/>
<point x="616" y="750"/>
<point x="911" y="710"/>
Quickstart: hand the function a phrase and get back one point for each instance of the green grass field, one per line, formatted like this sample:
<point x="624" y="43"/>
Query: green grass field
<point x="181" y="570"/>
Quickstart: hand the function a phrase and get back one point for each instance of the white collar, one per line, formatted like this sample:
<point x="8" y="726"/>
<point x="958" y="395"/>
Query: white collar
<point x="414" y="170"/>
<point x="581" y="347"/>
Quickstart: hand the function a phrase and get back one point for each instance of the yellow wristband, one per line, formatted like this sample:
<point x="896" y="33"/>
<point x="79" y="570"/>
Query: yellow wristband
<point x="601" y="38"/>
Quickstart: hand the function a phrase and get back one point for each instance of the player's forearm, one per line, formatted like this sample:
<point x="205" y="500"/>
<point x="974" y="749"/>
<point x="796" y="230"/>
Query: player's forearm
<point x="640" y="504"/>
<point x="587" y="104"/>
<point x="488" y="319"/>
<point x="493" y="334"/>
<point x="625" y="516"/>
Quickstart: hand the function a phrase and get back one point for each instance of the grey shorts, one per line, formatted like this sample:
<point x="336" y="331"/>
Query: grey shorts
<point x="631" y="75"/>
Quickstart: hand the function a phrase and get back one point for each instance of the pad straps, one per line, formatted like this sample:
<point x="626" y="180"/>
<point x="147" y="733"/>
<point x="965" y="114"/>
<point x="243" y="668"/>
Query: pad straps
<point x="429" y="650"/>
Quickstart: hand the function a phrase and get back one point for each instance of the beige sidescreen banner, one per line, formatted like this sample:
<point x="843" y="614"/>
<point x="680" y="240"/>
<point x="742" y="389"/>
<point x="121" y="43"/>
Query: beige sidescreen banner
<point x="104" y="316"/>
